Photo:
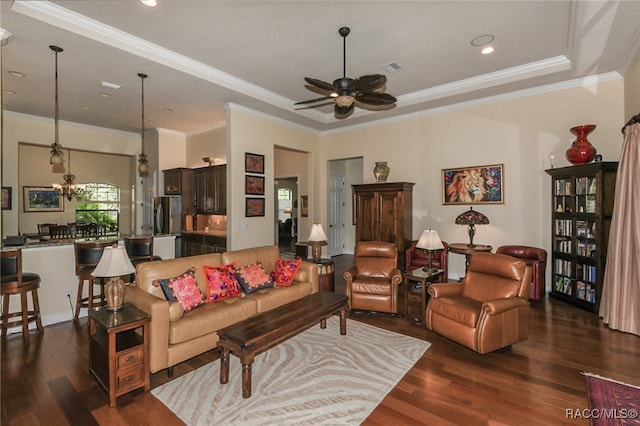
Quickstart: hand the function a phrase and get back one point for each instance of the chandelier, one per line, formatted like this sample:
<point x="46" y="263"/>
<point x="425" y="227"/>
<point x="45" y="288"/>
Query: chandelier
<point x="69" y="189"/>
<point x="143" y="163"/>
<point x="57" y="157"/>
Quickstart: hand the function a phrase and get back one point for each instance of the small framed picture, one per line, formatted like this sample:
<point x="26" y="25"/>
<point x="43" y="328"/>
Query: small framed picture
<point x="473" y="185"/>
<point x="254" y="207"/>
<point x="42" y="199"/>
<point x="253" y="163"/>
<point x="254" y="185"/>
<point x="304" y="209"/>
<point x="6" y="198"/>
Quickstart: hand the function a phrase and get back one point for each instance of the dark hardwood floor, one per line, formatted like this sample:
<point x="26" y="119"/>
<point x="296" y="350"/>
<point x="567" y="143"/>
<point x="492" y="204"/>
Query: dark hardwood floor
<point x="47" y="382"/>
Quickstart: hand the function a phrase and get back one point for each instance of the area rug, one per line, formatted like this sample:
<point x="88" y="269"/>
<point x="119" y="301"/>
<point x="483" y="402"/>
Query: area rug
<point x="316" y="377"/>
<point x="612" y="402"/>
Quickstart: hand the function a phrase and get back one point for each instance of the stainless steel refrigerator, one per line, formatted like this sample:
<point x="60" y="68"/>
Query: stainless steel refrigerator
<point x="167" y="215"/>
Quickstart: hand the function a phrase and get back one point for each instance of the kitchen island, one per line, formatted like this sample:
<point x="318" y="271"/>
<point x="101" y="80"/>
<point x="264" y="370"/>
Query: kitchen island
<point x="54" y="261"/>
<point x="201" y="242"/>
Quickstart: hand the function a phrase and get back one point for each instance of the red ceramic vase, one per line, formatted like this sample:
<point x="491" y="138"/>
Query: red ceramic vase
<point x="581" y="151"/>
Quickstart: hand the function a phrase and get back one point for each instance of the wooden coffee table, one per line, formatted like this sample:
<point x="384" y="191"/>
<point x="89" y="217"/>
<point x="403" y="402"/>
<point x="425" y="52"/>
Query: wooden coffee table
<point x="255" y="335"/>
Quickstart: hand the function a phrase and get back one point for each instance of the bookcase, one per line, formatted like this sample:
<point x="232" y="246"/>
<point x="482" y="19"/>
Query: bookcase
<point x="582" y="204"/>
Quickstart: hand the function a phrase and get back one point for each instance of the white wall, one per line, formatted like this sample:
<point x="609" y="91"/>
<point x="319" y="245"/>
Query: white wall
<point x="519" y="133"/>
<point x="210" y="143"/>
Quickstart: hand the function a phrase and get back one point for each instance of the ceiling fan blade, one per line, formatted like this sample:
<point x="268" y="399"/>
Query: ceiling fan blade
<point x="343" y="111"/>
<point x="376" y="99"/>
<point x="321" y="84"/>
<point x="368" y="83"/>
<point x="310" y="101"/>
<point x="321" y="104"/>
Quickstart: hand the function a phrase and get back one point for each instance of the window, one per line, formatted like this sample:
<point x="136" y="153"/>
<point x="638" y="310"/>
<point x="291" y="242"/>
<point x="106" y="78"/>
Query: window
<point x="100" y="204"/>
<point x="284" y="194"/>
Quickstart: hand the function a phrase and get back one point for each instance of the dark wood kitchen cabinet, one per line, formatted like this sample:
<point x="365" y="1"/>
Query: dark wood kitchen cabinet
<point x="211" y="190"/>
<point x="180" y="181"/>
<point x="194" y="244"/>
<point x="383" y="212"/>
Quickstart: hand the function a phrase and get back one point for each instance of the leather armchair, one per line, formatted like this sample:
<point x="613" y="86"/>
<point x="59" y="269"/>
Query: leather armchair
<point x="489" y="309"/>
<point x="418" y="258"/>
<point x="537" y="259"/>
<point x="372" y="282"/>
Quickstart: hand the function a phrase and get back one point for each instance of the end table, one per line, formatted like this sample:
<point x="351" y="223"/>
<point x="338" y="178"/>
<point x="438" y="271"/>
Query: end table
<point x="326" y="274"/>
<point x="416" y="295"/>
<point x="467" y="250"/>
<point x="119" y="350"/>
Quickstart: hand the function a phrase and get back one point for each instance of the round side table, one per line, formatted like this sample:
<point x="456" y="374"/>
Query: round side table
<point x="467" y="250"/>
<point x="326" y="274"/>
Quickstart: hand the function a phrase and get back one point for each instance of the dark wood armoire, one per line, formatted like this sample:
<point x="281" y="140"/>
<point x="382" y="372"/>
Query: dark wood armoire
<point x="384" y="212"/>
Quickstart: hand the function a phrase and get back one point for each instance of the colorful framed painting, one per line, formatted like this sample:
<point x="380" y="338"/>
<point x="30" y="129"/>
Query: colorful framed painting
<point x="6" y="198"/>
<point x="254" y="207"/>
<point x="473" y="185"/>
<point x="253" y="163"/>
<point x="42" y="199"/>
<point x="254" y="185"/>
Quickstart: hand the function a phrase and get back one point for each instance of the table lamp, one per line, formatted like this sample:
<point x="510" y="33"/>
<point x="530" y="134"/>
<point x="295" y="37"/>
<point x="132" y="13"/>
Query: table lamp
<point x="113" y="264"/>
<point x="472" y="218"/>
<point x="317" y="239"/>
<point x="430" y="241"/>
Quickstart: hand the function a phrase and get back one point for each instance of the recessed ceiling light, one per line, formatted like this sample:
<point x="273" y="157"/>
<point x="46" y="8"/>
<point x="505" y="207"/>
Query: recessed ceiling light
<point x="487" y="50"/>
<point x="482" y="40"/>
<point x="86" y="108"/>
<point x="16" y="73"/>
<point x="9" y="92"/>
<point x="167" y="109"/>
<point x="149" y="3"/>
<point x="109" y="85"/>
<point x="105" y="95"/>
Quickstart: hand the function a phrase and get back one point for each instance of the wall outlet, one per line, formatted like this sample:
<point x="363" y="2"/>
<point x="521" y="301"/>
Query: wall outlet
<point x="68" y="293"/>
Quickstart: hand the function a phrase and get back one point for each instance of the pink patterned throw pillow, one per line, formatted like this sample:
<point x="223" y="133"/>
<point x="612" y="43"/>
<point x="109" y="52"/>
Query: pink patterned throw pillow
<point x="253" y="277"/>
<point x="182" y="289"/>
<point x="284" y="271"/>
<point x="222" y="282"/>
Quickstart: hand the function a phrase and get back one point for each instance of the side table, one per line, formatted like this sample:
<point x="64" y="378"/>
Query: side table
<point x="326" y="274"/>
<point x="119" y="350"/>
<point x="415" y="300"/>
<point x="467" y="250"/>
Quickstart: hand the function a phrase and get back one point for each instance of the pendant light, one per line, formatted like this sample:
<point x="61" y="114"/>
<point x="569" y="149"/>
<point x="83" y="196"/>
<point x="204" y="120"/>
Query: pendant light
<point x="143" y="163"/>
<point x="57" y="156"/>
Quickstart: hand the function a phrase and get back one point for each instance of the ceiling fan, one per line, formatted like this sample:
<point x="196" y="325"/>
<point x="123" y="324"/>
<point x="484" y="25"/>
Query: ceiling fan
<point x="367" y="91"/>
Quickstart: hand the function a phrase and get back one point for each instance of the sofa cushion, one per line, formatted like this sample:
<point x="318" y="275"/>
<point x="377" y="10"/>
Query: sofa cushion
<point x="284" y="271"/>
<point x="222" y="282"/>
<point x="182" y="289"/>
<point x="271" y="298"/>
<point x="253" y="277"/>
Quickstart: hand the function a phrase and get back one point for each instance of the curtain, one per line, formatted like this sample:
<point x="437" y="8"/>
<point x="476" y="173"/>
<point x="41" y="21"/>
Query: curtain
<point x="620" y="302"/>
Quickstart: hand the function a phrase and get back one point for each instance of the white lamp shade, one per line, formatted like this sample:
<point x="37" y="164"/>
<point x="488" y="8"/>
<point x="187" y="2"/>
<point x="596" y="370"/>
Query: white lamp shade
<point x="430" y="240"/>
<point x="317" y="233"/>
<point x="113" y="263"/>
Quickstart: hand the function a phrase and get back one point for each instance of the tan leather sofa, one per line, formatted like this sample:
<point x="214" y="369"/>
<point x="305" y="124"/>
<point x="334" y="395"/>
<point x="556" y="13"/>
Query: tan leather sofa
<point x="175" y="335"/>
<point x="489" y="309"/>
<point x="372" y="282"/>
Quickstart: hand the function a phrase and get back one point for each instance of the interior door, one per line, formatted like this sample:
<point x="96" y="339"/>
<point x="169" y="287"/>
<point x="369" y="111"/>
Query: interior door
<point x="336" y="215"/>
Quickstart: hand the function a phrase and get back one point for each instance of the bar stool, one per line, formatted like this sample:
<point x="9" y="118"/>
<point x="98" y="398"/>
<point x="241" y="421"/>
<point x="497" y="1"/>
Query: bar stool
<point x="15" y="282"/>
<point x="139" y="250"/>
<point x="87" y="256"/>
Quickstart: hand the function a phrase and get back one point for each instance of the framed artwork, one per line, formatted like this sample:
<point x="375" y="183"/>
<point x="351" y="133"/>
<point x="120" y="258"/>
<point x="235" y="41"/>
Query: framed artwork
<point x="473" y="185"/>
<point x="304" y="209"/>
<point x="254" y="185"/>
<point x="6" y="198"/>
<point x="42" y="199"/>
<point x="253" y="163"/>
<point x="254" y="207"/>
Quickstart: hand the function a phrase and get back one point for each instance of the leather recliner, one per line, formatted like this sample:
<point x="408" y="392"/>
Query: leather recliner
<point x="489" y="309"/>
<point x="537" y="259"/>
<point x="418" y="258"/>
<point x="372" y="282"/>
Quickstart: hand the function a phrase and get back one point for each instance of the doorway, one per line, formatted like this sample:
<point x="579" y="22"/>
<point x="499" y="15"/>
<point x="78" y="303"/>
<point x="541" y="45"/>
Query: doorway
<point x="341" y="175"/>
<point x="286" y="229"/>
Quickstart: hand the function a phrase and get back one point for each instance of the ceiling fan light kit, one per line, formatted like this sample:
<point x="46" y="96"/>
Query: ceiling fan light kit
<point x="366" y="92"/>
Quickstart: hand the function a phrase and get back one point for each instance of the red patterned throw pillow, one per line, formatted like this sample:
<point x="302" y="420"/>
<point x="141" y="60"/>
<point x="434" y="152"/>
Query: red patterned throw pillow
<point x="222" y="282"/>
<point x="253" y="277"/>
<point x="284" y="271"/>
<point x="182" y="289"/>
